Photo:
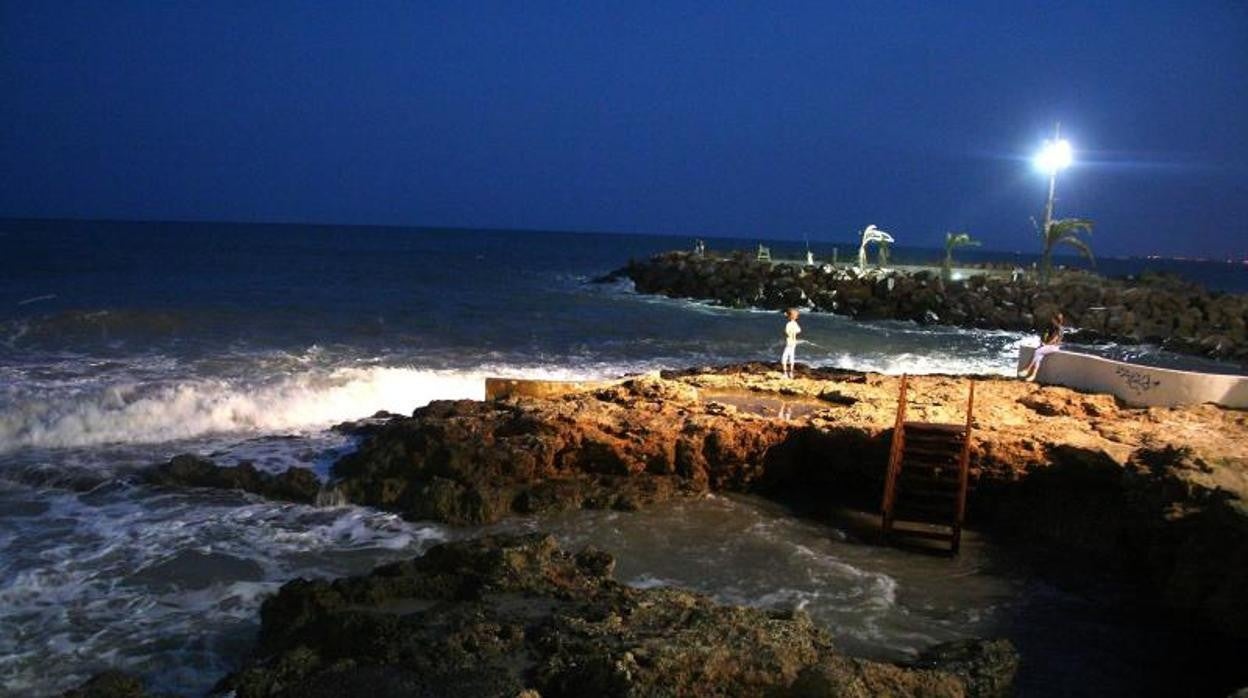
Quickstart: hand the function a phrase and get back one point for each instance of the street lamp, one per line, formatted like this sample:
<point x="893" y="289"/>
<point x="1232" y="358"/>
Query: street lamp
<point x="1055" y="155"/>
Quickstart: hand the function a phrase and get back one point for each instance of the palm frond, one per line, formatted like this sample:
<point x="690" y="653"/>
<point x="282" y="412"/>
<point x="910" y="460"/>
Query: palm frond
<point x="1067" y="227"/>
<point x="1064" y="231"/>
<point x="1080" y="245"/>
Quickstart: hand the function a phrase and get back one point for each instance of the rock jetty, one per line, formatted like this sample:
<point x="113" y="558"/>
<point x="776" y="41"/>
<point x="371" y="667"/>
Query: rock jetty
<point x="1158" y="309"/>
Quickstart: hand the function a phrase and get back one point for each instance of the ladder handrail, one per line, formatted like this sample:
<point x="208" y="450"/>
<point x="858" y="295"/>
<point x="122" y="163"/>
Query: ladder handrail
<point x="894" y="458"/>
<point x="964" y="470"/>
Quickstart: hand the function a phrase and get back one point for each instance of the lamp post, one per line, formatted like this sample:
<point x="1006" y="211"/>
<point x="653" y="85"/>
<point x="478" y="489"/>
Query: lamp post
<point x="1054" y="156"/>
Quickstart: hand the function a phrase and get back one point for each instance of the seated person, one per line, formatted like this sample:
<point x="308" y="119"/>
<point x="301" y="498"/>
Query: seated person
<point x="1050" y="341"/>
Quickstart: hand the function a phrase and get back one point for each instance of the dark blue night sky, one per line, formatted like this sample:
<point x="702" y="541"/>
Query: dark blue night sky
<point x="745" y="119"/>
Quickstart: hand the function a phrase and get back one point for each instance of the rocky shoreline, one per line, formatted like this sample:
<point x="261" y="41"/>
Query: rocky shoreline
<point x="1157" y="309"/>
<point x="1156" y="495"/>
<point x="1152" y="490"/>
<point x="518" y="616"/>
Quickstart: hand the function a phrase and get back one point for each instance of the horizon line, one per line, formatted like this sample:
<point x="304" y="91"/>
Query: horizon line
<point x="565" y="231"/>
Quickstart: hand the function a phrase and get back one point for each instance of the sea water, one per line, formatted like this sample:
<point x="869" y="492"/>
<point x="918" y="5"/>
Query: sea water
<point x="122" y="345"/>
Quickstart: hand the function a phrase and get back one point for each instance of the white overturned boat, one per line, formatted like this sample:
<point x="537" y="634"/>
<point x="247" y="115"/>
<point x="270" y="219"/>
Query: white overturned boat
<point x="1137" y="385"/>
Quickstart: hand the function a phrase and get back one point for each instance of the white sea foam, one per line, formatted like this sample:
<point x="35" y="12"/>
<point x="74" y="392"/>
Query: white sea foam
<point x="650" y="581"/>
<point x="922" y="364"/>
<point x="124" y="577"/>
<point x="157" y="412"/>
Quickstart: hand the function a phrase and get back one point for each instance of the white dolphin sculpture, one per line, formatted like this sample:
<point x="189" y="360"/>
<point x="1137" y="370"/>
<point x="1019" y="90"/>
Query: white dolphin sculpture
<point x="871" y="234"/>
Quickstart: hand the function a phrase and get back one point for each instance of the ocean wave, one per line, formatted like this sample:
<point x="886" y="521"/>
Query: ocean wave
<point x="128" y="578"/>
<point x="115" y="406"/>
<point x="78" y="413"/>
<point x="924" y="364"/>
<point x="103" y="323"/>
<point x="170" y="411"/>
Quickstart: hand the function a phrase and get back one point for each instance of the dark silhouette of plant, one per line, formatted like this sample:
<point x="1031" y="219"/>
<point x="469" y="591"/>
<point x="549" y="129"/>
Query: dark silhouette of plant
<point x="1064" y="231"/>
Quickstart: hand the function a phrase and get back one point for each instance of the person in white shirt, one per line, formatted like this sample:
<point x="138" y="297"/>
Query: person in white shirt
<point x="791" y="330"/>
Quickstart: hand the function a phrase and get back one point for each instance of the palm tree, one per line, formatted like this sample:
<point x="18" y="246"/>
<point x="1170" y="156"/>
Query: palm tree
<point x="953" y="241"/>
<point x="1065" y="230"/>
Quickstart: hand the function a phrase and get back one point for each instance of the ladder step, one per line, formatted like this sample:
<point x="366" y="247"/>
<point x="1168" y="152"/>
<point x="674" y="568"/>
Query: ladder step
<point x="937" y="443"/>
<point x="927" y="493"/>
<point x="923" y="519"/>
<point x="952" y="450"/>
<point x="927" y="466"/>
<point x="943" y="517"/>
<point x="922" y="533"/>
<point x="930" y="454"/>
<point x="928" y="433"/>
<point x="929" y="477"/>
<point x="935" y="427"/>
<point x="905" y="506"/>
<point x="934" y="436"/>
<point x="943" y="469"/>
<point x="945" y="488"/>
<point x="934" y="443"/>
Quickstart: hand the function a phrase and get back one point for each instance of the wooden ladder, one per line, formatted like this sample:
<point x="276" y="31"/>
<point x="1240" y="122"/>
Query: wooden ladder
<point x="928" y="473"/>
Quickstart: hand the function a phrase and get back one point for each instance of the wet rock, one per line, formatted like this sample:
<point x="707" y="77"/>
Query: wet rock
<point x="1068" y="404"/>
<point x="366" y="426"/>
<point x="1154" y="520"/>
<point x="619" y="447"/>
<point x="502" y="615"/>
<point x="109" y="684"/>
<point x="1156" y="493"/>
<point x="838" y="398"/>
<point x="857" y="678"/>
<point x="987" y="666"/>
<point x="292" y="485"/>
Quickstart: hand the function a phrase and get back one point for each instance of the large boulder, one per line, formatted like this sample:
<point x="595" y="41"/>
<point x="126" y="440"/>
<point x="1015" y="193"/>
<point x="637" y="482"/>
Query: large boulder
<point x="619" y="447"/>
<point x="502" y="616"/>
<point x="188" y="470"/>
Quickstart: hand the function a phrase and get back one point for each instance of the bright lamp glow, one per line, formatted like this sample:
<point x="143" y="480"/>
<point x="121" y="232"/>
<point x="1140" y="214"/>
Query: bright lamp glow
<point x="1056" y="155"/>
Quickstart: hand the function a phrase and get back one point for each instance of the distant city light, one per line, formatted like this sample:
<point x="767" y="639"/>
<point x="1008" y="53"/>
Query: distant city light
<point x="1056" y="155"/>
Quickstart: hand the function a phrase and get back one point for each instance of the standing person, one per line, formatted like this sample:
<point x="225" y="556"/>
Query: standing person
<point x="791" y="330"/>
<point x="1050" y="341"/>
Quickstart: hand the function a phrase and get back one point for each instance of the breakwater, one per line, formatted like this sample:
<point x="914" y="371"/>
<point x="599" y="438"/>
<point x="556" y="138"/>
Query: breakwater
<point x="1158" y="309"/>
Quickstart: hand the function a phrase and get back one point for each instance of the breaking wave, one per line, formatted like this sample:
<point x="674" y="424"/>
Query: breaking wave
<point x="301" y="401"/>
<point x="139" y="578"/>
<point x="924" y="364"/>
<point x="156" y="413"/>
